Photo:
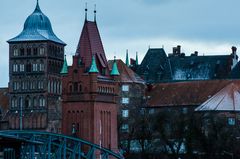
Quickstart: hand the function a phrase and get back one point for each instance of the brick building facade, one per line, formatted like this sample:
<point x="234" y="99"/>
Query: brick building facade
<point x="35" y="60"/>
<point x="89" y="92"/>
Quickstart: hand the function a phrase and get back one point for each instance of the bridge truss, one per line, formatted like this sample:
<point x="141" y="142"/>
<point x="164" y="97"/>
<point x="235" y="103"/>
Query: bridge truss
<point x="45" y="145"/>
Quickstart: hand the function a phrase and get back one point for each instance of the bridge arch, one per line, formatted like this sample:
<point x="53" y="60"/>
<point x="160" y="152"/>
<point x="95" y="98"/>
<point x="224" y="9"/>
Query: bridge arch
<point x="45" y="145"/>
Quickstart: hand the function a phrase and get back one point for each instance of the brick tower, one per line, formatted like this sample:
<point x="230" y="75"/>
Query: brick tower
<point x="35" y="60"/>
<point x="89" y="91"/>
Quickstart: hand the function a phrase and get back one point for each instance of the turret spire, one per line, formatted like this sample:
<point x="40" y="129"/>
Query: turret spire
<point x="93" y="68"/>
<point x="115" y="71"/>
<point x="95" y="12"/>
<point x="127" y="60"/>
<point x="37" y="9"/>
<point x="136" y="58"/>
<point x="64" y="67"/>
<point x="86" y="12"/>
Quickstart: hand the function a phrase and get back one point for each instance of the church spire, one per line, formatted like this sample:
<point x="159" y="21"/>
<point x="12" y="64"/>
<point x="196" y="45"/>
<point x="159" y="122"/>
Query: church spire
<point x="136" y="58"/>
<point x="64" y="67"/>
<point x="95" y="12"/>
<point x="115" y="71"/>
<point x="127" y="60"/>
<point x="86" y="12"/>
<point x="93" y="68"/>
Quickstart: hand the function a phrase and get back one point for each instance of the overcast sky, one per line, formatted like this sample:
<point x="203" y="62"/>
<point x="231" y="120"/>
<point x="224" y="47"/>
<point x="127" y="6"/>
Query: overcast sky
<point x="208" y="26"/>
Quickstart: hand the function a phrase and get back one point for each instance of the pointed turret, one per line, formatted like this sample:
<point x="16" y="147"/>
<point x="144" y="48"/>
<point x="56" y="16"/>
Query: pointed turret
<point x="37" y="9"/>
<point x="86" y="12"/>
<point x="115" y="71"/>
<point x="127" y="60"/>
<point x="95" y="12"/>
<point x="93" y="68"/>
<point x="136" y="58"/>
<point x="64" y="67"/>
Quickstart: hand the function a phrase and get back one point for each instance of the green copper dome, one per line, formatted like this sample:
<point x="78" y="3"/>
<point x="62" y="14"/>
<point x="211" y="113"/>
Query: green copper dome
<point x="65" y="67"/>
<point x="115" y="71"/>
<point x="93" y="68"/>
<point x="37" y="27"/>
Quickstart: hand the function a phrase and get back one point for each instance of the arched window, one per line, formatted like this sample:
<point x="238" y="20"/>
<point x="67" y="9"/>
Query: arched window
<point x="29" y="67"/>
<point x="75" y="87"/>
<point x="15" y="51"/>
<point x="80" y="88"/>
<point x="42" y="101"/>
<point x="14" y="102"/>
<point x="27" y="102"/>
<point x="70" y="88"/>
<point x="35" y="102"/>
<point x="41" y="51"/>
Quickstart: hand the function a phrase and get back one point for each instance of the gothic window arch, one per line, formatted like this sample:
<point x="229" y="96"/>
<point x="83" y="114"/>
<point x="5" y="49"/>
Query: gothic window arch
<point x="22" y="51"/>
<point x="27" y="102"/>
<point x="15" y="51"/>
<point x="75" y="87"/>
<point x="70" y="88"/>
<point x="41" y="51"/>
<point x="35" y="101"/>
<point x="42" y="101"/>
<point x="29" y="51"/>
<point x="29" y="67"/>
<point x="14" y="102"/>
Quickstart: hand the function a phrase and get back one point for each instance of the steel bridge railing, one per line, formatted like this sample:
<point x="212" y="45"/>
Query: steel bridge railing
<point x="46" y="145"/>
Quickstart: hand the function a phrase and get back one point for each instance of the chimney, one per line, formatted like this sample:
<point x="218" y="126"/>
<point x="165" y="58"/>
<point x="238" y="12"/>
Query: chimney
<point x="196" y="53"/>
<point x="234" y="57"/>
<point x="179" y="49"/>
<point x="174" y="50"/>
<point x="234" y="50"/>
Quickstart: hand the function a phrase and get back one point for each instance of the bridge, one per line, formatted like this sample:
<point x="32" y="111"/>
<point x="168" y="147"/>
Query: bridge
<point x="23" y="144"/>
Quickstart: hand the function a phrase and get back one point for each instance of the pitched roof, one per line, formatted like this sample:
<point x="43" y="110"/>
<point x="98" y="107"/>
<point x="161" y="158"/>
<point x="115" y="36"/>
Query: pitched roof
<point x="200" y="67"/>
<point x="155" y="66"/>
<point x="188" y="93"/>
<point x="227" y="99"/>
<point x="90" y="44"/>
<point x="126" y="74"/>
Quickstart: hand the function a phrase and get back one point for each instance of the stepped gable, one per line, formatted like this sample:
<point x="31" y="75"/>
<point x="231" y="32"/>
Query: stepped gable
<point x="200" y="67"/>
<point x="227" y="99"/>
<point x="90" y="44"/>
<point x="155" y="66"/>
<point x="188" y="93"/>
<point x="126" y="74"/>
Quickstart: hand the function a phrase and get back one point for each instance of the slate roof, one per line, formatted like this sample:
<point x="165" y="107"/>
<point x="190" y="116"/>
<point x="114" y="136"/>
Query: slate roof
<point x="37" y="27"/>
<point x="187" y="93"/>
<point x="126" y="74"/>
<point x="200" y="67"/>
<point x="90" y="44"/>
<point x="227" y="99"/>
<point x="155" y="66"/>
